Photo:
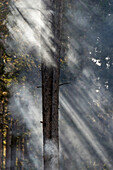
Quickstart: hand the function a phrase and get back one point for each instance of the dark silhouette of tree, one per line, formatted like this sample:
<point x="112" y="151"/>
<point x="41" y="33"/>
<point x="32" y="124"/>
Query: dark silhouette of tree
<point x="50" y="91"/>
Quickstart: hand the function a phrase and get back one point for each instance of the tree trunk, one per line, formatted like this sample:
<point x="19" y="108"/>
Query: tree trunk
<point x="8" y="142"/>
<point x="26" y="152"/>
<point x="50" y="94"/>
<point x="2" y="129"/>
<point x="0" y="149"/>
<point x="13" y="147"/>
<point x="56" y="74"/>
<point x="47" y="112"/>
<point x="1" y="135"/>
<point x="1" y="107"/>
<point x="20" y="153"/>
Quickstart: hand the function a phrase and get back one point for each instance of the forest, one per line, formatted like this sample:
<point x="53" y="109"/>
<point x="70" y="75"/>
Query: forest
<point x="56" y="85"/>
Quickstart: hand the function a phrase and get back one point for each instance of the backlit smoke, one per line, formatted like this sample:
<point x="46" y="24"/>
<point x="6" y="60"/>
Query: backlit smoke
<point x="85" y="126"/>
<point x="52" y="153"/>
<point x="86" y="119"/>
<point x="29" y="25"/>
<point x="27" y="109"/>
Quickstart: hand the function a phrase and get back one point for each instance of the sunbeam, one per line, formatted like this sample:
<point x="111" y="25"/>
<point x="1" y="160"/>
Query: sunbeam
<point x="56" y="85"/>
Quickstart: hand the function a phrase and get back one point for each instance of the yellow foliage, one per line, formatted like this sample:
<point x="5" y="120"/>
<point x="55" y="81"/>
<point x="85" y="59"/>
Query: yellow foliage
<point x="5" y="93"/>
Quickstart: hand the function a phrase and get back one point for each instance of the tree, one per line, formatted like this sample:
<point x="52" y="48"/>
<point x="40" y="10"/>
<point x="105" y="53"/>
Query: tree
<point x="8" y="142"/>
<point x="50" y="92"/>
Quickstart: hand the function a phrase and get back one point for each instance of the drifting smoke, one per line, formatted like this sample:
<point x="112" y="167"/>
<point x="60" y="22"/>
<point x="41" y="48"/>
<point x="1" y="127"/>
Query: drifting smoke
<point x="27" y="109"/>
<point x="52" y="153"/>
<point x="86" y="120"/>
<point x="86" y="104"/>
<point x="85" y="125"/>
<point x="29" y="25"/>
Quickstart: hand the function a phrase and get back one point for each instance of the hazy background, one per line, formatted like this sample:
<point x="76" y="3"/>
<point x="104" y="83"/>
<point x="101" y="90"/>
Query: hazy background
<point x="86" y="118"/>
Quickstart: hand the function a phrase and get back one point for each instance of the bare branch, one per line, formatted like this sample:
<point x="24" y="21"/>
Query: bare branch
<point x="63" y="84"/>
<point x="39" y="87"/>
<point x="59" y="85"/>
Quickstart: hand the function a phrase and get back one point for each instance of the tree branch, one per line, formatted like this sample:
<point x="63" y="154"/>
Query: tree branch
<point x="59" y="85"/>
<point x="63" y="84"/>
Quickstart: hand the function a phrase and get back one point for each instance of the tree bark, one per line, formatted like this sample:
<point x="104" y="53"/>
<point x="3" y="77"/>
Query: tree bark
<point x="0" y="149"/>
<point x="1" y="108"/>
<point x="8" y="142"/>
<point x="1" y="135"/>
<point x="50" y="94"/>
<point x="2" y="129"/>
<point x="56" y="70"/>
<point x="26" y="152"/>
<point x="20" y="153"/>
<point x="13" y="147"/>
<point x="47" y="112"/>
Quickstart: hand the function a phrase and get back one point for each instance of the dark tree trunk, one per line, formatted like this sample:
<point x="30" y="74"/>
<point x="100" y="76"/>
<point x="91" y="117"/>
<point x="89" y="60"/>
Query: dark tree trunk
<point x="13" y="147"/>
<point x="47" y="111"/>
<point x="2" y="129"/>
<point x="26" y="153"/>
<point x="0" y="149"/>
<point x="1" y="106"/>
<point x="1" y="135"/>
<point x="20" y="153"/>
<point x="56" y="72"/>
<point x="50" y="94"/>
<point x="8" y="143"/>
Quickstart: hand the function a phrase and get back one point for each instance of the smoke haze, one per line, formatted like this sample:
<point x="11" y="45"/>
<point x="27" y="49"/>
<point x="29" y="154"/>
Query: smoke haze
<point x="86" y="118"/>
